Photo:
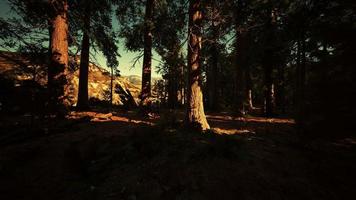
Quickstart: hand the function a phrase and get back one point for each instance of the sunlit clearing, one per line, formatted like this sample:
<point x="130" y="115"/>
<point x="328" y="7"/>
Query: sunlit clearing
<point x="105" y="117"/>
<point x="222" y="131"/>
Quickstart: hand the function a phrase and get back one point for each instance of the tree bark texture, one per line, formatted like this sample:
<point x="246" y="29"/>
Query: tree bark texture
<point x="57" y="70"/>
<point x="195" y="116"/>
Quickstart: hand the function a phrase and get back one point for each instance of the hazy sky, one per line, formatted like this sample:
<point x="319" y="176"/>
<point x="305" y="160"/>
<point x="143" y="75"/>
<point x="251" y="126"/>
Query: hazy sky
<point x="126" y="57"/>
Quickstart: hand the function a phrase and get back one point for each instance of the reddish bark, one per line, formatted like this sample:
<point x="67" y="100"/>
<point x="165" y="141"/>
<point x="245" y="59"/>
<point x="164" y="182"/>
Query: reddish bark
<point x="57" y="70"/>
<point x="195" y="116"/>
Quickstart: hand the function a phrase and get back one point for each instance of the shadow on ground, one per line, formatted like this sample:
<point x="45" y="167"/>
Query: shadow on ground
<point x="121" y="156"/>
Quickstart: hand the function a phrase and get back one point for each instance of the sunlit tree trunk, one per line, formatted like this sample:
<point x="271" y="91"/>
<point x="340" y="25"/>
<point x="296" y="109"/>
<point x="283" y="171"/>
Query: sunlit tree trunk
<point x="57" y="70"/>
<point x="195" y="116"/>
<point x="84" y="63"/>
<point x="147" y="57"/>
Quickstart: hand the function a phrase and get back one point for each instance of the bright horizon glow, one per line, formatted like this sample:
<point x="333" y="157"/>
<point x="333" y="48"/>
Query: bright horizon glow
<point x="125" y="61"/>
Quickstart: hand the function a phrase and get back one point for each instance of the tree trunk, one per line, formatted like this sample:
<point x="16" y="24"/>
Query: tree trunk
<point x="173" y="77"/>
<point x="147" y="57"/>
<point x="182" y="82"/>
<point x="248" y="89"/>
<point x="301" y="76"/>
<point x="240" y="70"/>
<point x="268" y="67"/>
<point x="213" y="81"/>
<point x="111" y="86"/>
<point x="280" y="91"/>
<point x="84" y="64"/>
<point x="57" y="70"/>
<point x="172" y="88"/>
<point x="213" y="72"/>
<point x="268" y="90"/>
<point x="195" y="116"/>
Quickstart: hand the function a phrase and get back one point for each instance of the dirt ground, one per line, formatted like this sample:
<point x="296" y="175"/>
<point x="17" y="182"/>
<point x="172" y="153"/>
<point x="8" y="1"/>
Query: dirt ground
<point x="94" y="155"/>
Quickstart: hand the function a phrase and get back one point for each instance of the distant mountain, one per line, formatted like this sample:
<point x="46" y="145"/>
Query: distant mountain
<point x="136" y="80"/>
<point x="24" y="67"/>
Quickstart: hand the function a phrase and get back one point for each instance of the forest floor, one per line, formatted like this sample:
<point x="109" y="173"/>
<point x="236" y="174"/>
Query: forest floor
<point x="98" y="155"/>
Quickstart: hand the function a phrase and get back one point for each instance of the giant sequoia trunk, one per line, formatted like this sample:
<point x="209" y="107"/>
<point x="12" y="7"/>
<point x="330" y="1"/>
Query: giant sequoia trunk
<point x="57" y="70"/>
<point x="195" y="116"/>
<point x="84" y="64"/>
<point x="147" y="57"/>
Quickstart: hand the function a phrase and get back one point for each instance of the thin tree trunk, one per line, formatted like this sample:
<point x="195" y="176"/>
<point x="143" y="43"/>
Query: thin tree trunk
<point x="172" y="90"/>
<point x="170" y="87"/>
<point x="213" y="89"/>
<point x="84" y="64"/>
<point x="301" y="75"/>
<point x="268" y="68"/>
<point x="269" y="90"/>
<point x="181" y="83"/>
<point x="111" y="85"/>
<point x="195" y="116"/>
<point x="57" y="71"/>
<point x="213" y="98"/>
<point x="249" y="98"/>
<point x="240" y="71"/>
<point x="297" y="73"/>
<point x="147" y="57"/>
<point x="173" y="74"/>
<point x="280" y="90"/>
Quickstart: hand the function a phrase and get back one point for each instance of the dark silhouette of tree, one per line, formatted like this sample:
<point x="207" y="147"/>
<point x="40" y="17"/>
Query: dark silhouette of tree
<point x="171" y="34"/>
<point x="83" y="96"/>
<point x="147" y="54"/>
<point x="97" y="27"/>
